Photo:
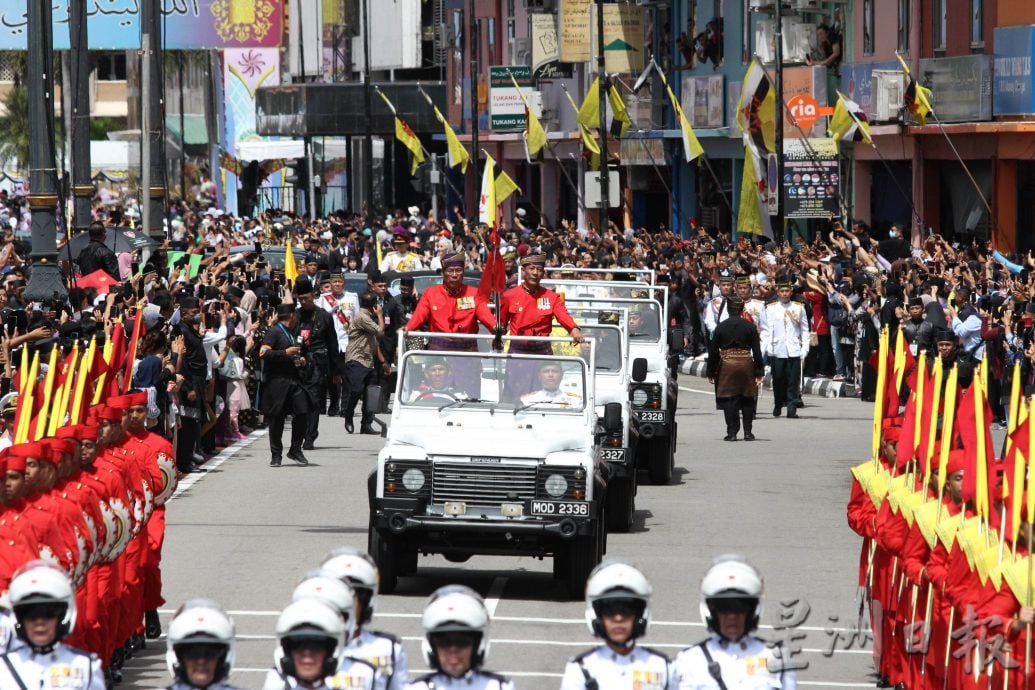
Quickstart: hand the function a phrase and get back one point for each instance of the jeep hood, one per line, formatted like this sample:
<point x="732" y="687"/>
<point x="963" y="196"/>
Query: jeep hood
<point x="512" y="442"/>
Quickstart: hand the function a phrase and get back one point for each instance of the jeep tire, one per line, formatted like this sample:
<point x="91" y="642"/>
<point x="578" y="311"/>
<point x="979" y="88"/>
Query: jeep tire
<point x="621" y="503"/>
<point x="383" y="551"/>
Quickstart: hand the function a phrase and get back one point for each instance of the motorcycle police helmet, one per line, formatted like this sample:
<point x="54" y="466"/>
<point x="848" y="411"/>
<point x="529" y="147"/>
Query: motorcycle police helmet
<point x="306" y="621"/>
<point x="453" y="612"/>
<point x="322" y="585"/>
<point x="731" y="584"/>
<point x="615" y="584"/>
<point x="202" y="626"/>
<point x="39" y="587"/>
<point x="358" y="570"/>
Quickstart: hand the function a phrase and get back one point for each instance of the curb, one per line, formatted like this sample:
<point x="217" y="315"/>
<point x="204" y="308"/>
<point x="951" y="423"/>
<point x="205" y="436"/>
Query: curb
<point x="825" y="388"/>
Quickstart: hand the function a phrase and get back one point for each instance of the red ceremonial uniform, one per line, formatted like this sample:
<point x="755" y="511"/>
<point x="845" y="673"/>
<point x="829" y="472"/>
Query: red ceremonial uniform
<point x="442" y="312"/>
<point x="160" y="464"/>
<point x="526" y="313"/>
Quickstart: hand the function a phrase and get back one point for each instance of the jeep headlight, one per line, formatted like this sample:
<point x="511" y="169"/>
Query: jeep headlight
<point x="556" y="485"/>
<point x="413" y="480"/>
<point x="639" y="397"/>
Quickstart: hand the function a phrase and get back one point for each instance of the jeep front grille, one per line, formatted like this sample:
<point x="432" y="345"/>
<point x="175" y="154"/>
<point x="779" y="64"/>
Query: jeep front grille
<point x="482" y="484"/>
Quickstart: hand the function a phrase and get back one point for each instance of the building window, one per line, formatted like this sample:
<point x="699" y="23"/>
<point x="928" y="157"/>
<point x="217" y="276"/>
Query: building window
<point x="868" y="27"/>
<point x="903" y="26"/>
<point x="111" y="66"/>
<point x="977" y="23"/>
<point x="938" y="10"/>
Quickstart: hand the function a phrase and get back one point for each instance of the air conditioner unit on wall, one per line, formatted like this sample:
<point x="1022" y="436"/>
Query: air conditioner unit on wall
<point x="887" y="88"/>
<point x="520" y="51"/>
<point x="765" y="40"/>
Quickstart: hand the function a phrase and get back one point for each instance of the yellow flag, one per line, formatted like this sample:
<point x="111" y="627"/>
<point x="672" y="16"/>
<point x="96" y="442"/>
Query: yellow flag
<point x="505" y="186"/>
<point x="849" y="122"/>
<point x="589" y="111"/>
<point x="407" y="138"/>
<point x="458" y="155"/>
<point x="916" y="97"/>
<point x="620" y="122"/>
<point x="750" y="219"/>
<point x="290" y="270"/>
<point x="691" y="146"/>
<point x="535" y="135"/>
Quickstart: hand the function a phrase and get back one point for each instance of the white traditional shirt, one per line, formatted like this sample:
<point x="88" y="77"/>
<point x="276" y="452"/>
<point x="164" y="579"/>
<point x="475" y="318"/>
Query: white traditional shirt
<point x="785" y="331"/>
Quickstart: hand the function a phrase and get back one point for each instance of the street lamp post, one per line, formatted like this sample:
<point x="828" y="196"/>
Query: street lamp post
<point x="151" y="42"/>
<point x="46" y="280"/>
<point x="778" y="138"/>
<point x="605" y="181"/>
<point x="82" y="189"/>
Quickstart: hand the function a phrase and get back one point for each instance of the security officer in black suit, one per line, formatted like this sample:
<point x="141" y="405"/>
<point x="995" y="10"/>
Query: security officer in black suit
<point x="315" y="331"/>
<point x="283" y="361"/>
<point x="192" y="365"/>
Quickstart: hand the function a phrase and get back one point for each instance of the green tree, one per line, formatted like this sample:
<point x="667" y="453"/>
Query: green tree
<point x="14" y="128"/>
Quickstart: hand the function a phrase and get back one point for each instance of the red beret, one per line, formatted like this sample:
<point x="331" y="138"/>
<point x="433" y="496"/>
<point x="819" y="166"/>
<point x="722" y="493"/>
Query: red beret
<point x="15" y="463"/>
<point x="87" y="432"/>
<point x="60" y="445"/>
<point x="957" y="461"/>
<point x="892" y="433"/>
<point x="522" y="249"/>
<point x="112" y="414"/>
<point x="66" y="431"/>
<point x="120" y="402"/>
<point x="32" y="449"/>
<point x="137" y="398"/>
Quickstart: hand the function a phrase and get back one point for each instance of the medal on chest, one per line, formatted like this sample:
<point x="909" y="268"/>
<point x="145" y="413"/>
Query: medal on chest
<point x="464" y="303"/>
<point x="647" y="680"/>
<point x="65" y="676"/>
<point x="543" y="304"/>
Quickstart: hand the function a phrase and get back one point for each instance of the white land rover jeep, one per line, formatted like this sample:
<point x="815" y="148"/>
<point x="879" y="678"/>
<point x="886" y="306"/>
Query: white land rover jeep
<point x="490" y="453"/>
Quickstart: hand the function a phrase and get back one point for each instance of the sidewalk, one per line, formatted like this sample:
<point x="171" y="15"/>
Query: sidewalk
<point x="822" y="387"/>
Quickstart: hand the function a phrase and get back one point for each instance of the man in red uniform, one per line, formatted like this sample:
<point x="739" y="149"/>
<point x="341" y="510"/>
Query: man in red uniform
<point x="160" y="464"/>
<point x="530" y="309"/>
<point x="453" y="307"/>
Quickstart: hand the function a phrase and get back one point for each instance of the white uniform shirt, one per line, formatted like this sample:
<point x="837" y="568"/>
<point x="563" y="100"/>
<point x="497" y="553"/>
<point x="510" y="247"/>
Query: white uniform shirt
<point x="715" y="312"/>
<point x="474" y="680"/>
<point x="785" y="331"/>
<point x="188" y="686"/>
<point x="744" y="665"/>
<point x="756" y="309"/>
<point x="342" y="310"/>
<point x="383" y="652"/>
<point x="394" y="261"/>
<point x="65" y="668"/>
<point x="352" y="674"/>
<point x="641" y="669"/>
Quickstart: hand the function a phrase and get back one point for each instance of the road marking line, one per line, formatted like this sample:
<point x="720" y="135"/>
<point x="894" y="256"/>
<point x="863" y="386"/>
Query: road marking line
<point x="694" y="390"/>
<point x="492" y="600"/>
<point x="227" y="453"/>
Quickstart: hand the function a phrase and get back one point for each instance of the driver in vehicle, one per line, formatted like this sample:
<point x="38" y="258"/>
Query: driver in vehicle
<point x="437" y="383"/>
<point x="550" y="391"/>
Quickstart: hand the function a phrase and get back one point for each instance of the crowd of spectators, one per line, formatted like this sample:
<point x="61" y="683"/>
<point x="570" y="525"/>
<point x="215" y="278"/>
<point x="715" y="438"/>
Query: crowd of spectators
<point x="850" y="282"/>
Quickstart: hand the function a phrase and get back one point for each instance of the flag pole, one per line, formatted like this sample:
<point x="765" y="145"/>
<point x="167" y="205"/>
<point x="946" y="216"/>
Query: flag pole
<point x="887" y="166"/>
<point x="427" y="154"/>
<point x="463" y="200"/>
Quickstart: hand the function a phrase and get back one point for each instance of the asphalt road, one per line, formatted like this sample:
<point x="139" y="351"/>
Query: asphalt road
<point x="244" y="534"/>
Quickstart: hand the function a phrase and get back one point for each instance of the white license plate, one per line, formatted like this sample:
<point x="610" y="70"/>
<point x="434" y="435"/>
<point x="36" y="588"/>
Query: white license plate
<point x="559" y="509"/>
<point x="652" y="416"/>
<point x="612" y="454"/>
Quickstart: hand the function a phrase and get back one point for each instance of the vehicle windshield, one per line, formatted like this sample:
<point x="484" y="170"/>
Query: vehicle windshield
<point x="603" y="289"/>
<point x="608" y="352"/>
<point x="643" y="317"/>
<point x="442" y="379"/>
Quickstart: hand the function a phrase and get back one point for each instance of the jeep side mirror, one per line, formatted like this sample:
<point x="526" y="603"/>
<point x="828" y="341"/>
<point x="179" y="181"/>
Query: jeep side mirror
<point x="613" y="417"/>
<point x="373" y="398"/>
<point x="639" y="372"/>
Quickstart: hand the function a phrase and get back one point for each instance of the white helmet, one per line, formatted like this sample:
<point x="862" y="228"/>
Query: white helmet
<point x="455" y="609"/>
<point x="319" y="584"/>
<point x="39" y="583"/>
<point x="358" y="570"/>
<point x="731" y="581"/>
<point x="200" y="622"/>
<point x="309" y="619"/>
<point x="617" y="581"/>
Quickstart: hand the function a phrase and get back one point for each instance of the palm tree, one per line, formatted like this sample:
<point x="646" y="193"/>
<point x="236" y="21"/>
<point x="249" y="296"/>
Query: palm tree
<point x="14" y="128"/>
